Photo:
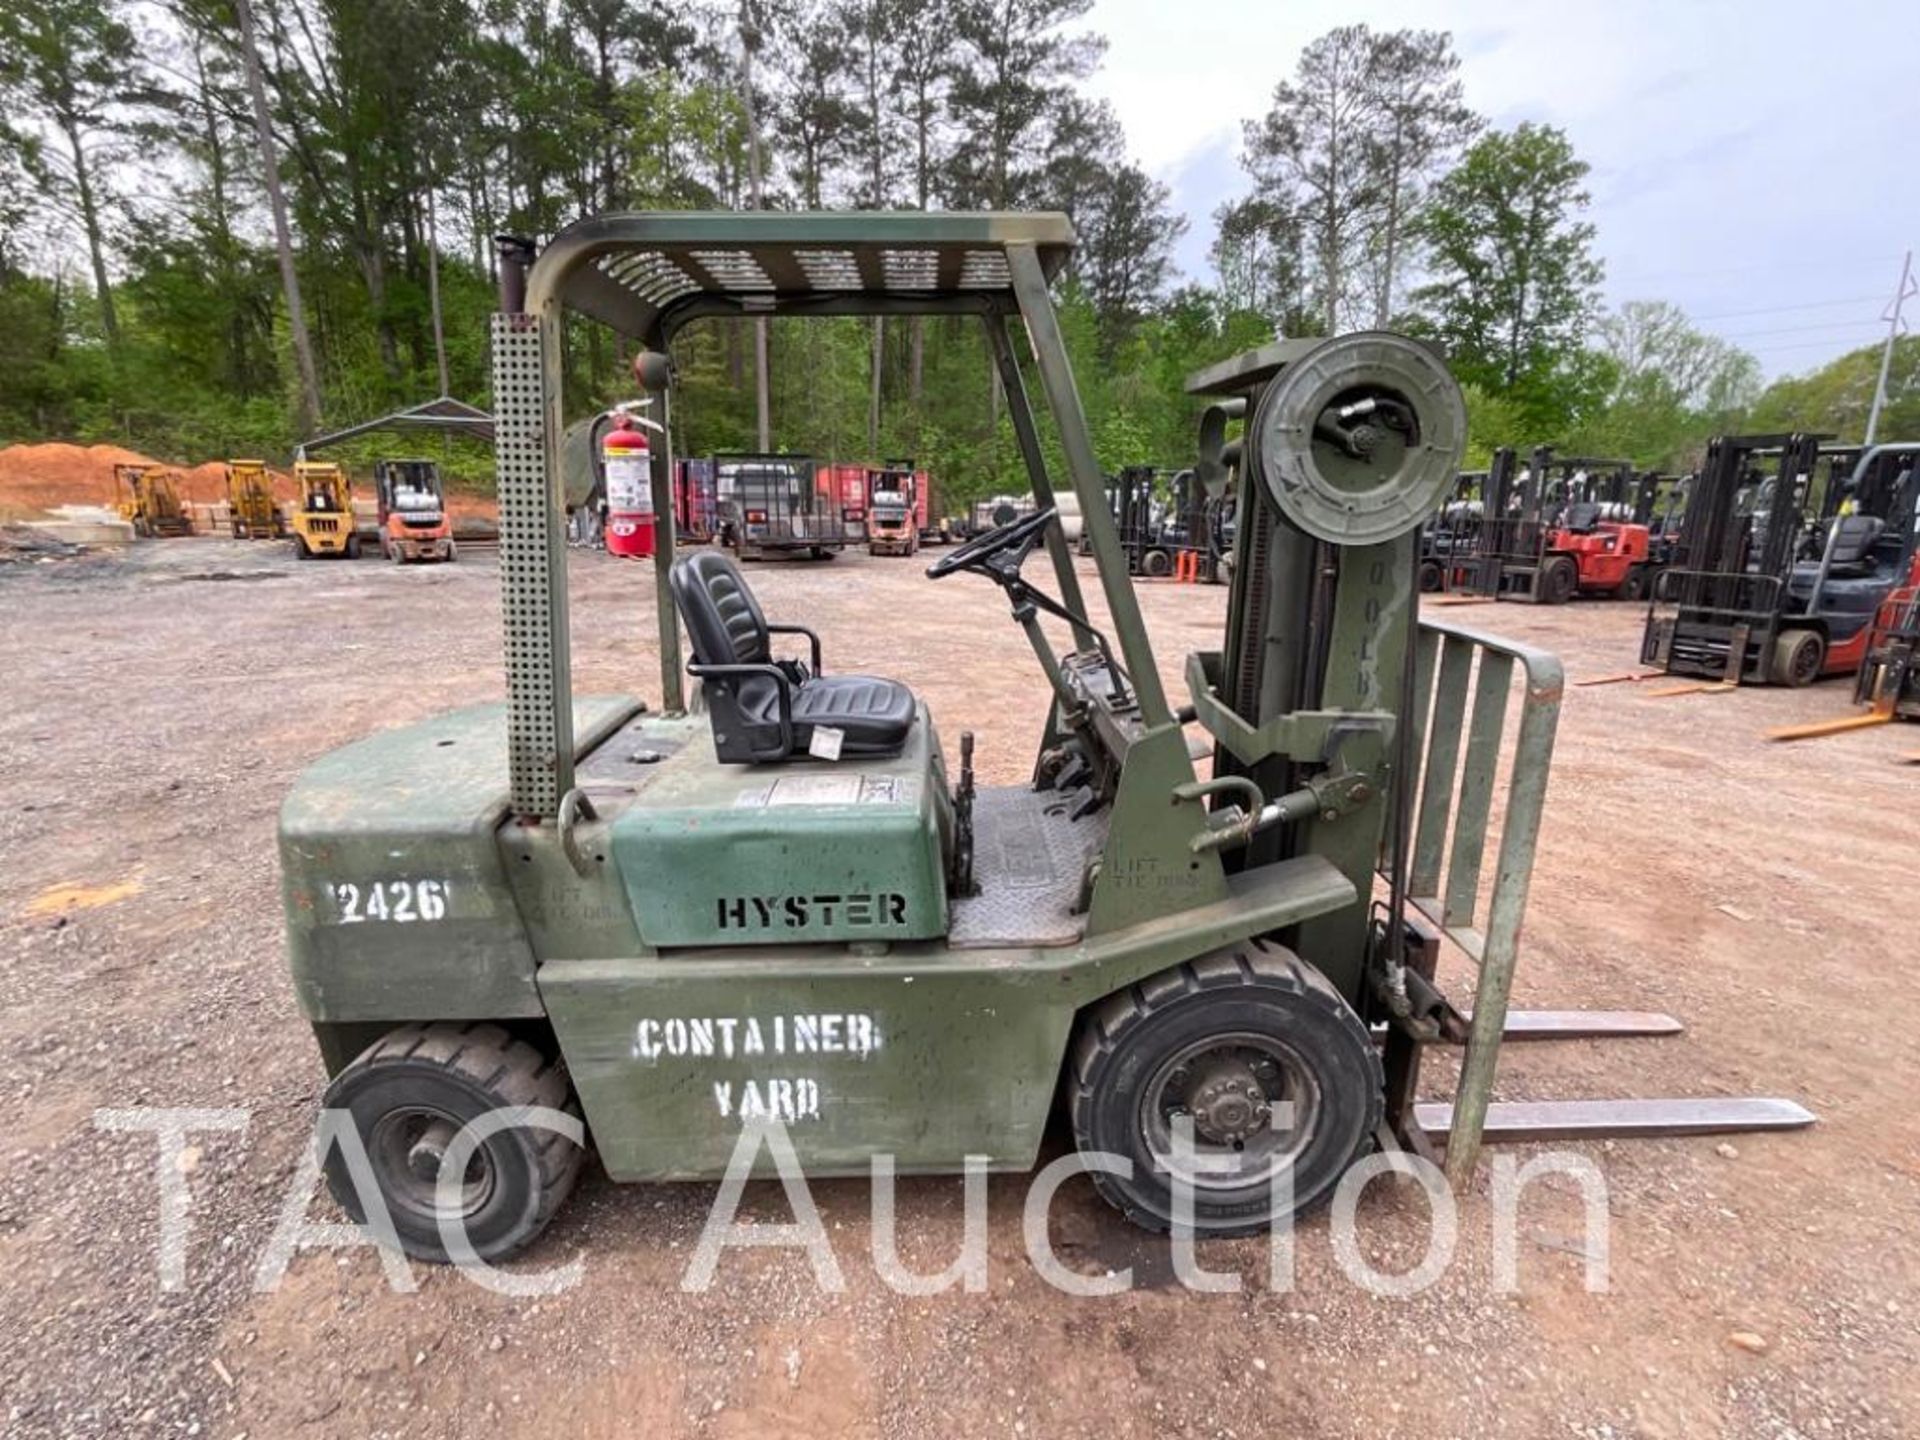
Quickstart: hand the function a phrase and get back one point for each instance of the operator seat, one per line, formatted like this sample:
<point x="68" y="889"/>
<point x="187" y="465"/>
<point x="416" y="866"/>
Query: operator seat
<point x="1853" y="542"/>
<point x="1583" y="518"/>
<point x="766" y="710"/>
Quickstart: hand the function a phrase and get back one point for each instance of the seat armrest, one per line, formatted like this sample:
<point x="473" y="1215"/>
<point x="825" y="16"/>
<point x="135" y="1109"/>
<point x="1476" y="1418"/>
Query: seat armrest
<point x="743" y="672"/>
<point x="812" y="639"/>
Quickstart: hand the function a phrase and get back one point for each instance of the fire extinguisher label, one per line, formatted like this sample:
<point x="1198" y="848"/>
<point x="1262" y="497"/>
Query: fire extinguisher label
<point x="629" y="483"/>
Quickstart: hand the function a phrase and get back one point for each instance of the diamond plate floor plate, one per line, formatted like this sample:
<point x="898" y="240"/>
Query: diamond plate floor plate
<point x="1028" y="860"/>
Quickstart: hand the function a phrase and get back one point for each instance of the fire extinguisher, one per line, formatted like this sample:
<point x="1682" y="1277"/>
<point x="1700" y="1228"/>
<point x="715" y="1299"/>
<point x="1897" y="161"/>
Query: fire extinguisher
<point x="626" y="456"/>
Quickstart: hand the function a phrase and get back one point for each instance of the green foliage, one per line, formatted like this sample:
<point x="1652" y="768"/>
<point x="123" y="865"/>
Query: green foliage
<point x="1492" y="421"/>
<point x="411" y="133"/>
<point x="1514" y="280"/>
<point x="1341" y="165"/>
<point x="1669" y="387"/>
<point x="1836" y="398"/>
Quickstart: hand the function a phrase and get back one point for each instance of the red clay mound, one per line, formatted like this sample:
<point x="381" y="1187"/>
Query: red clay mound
<point x="39" y="477"/>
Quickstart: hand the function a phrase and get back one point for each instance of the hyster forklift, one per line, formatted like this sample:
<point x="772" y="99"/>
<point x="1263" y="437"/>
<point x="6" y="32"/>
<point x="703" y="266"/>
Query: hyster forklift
<point x="323" y="520"/>
<point x="252" y="512"/>
<point x="1778" y="578"/>
<point x="414" y="524"/>
<point x="763" y="902"/>
<point x="152" y="502"/>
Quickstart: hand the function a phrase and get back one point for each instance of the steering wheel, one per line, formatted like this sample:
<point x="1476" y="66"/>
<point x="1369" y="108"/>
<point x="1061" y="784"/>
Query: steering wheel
<point x="1019" y="535"/>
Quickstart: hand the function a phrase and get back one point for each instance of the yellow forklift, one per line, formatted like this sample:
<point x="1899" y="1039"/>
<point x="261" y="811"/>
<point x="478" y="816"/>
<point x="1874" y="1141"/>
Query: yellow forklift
<point x="323" y="523"/>
<point x="251" y="508"/>
<point x="152" y="500"/>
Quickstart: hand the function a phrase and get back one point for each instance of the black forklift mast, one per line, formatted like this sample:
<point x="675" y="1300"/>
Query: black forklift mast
<point x="1130" y="499"/>
<point x="1716" y="612"/>
<point x="1506" y="549"/>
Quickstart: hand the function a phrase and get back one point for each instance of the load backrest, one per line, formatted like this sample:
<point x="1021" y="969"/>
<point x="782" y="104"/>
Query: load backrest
<point x="723" y="619"/>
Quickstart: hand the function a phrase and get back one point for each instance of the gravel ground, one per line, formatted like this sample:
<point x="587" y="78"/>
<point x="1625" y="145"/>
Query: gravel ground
<point x="159" y="704"/>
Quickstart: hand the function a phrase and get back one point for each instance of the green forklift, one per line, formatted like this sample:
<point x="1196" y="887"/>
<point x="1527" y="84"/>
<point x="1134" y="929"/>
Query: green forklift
<point x="760" y="901"/>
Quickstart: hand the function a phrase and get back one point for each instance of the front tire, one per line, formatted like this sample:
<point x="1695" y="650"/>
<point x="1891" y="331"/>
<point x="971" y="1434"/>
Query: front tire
<point x="411" y="1091"/>
<point x="1558" y="580"/>
<point x="1798" y="656"/>
<point x="1223" y="1040"/>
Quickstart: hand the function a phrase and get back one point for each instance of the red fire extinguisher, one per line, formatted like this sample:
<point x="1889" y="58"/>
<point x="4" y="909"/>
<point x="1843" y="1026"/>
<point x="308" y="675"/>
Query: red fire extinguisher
<point x="626" y="456"/>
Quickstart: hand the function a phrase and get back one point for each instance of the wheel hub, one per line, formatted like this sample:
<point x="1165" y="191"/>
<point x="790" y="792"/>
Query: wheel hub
<point x="429" y="1150"/>
<point x="1227" y="1102"/>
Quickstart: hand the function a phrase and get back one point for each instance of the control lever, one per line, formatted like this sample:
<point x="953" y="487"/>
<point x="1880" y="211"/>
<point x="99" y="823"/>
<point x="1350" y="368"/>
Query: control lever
<point x="960" y="871"/>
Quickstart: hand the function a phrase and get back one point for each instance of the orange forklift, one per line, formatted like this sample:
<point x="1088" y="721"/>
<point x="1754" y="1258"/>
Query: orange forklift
<point x="1597" y="530"/>
<point x="1565" y="527"/>
<point x="896" y="509"/>
<point x="414" y="524"/>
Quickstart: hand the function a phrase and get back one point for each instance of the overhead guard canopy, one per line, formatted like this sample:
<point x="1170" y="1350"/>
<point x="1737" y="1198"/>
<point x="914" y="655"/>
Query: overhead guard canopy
<point x="647" y="274"/>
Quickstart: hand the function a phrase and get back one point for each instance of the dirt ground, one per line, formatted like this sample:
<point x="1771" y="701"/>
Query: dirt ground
<point x="158" y="705"/>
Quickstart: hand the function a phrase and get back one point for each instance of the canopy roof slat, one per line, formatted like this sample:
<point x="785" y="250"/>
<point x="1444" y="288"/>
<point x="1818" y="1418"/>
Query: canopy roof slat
<point x="644" y="274"/>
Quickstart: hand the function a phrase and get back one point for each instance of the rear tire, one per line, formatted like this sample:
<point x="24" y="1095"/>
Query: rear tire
<point x="1798" y="656"/>
<point x="300" y="550"/>
<point x="1220" y="1039"/>
<point x="411" y="1090"/>
<point x="353" y="547"/>
<point x="1558" y="580"/>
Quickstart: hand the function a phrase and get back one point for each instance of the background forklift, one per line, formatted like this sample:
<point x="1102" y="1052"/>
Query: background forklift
<point x="1559" y="530"/>
<point x="1450" y="534"/>
<point x="1887" y="681"/>
<point x="1778" y="578"/>
<point x="1132" y="498"/>
<point x="765" y="902"/>
<point x="895" y="508"/>
<point x="1193" y="540"/>
<point x="1597" y="526"/>
<point x="323" y="519"/>
<point x="414" y="524"/>
<point x="252" y="511"/>
<point x="152" y="501"/>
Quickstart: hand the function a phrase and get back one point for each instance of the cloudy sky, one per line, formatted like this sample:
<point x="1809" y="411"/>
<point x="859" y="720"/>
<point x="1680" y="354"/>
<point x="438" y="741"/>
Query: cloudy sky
<point x="1758" y="163"/>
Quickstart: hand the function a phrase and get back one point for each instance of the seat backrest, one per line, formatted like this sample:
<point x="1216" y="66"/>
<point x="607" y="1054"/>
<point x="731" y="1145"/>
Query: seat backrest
<point x="723" y="619"/>
<point x="1582" y="517"/>
<point x="1855" y="536"/>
